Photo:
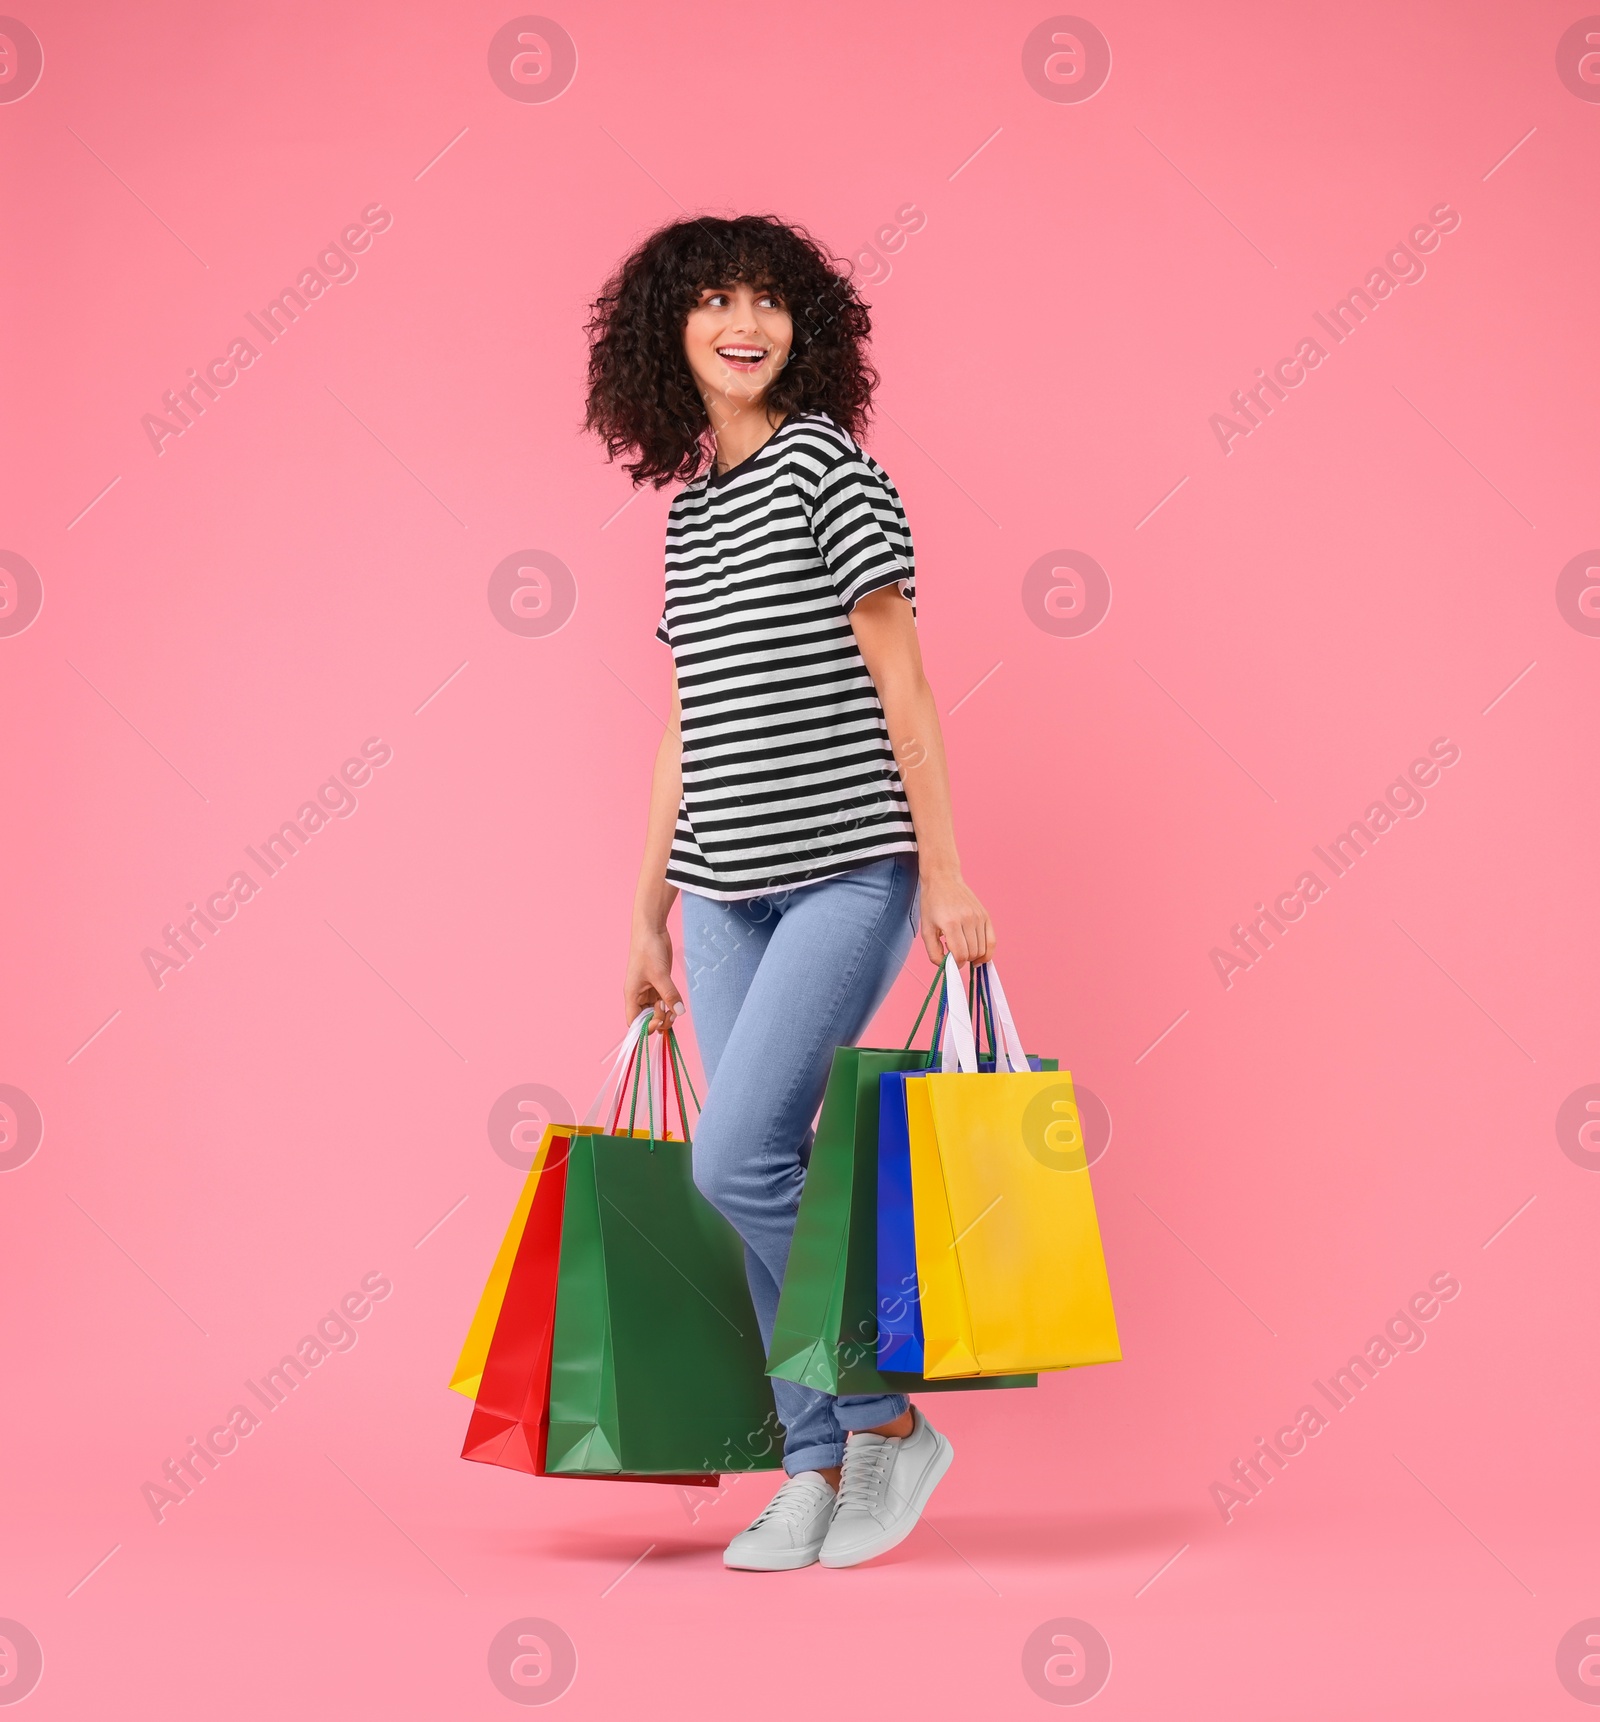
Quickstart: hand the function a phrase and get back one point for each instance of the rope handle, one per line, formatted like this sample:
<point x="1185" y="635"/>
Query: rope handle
<point x="980" y="1009"/>
<point x="680" y="1065"/>
<point x="986" y="1004"/>
<point x="959" y="1048"/>
<point x="633" y="1055"/>
<point x="674" y="1076"/>
<point x="938" y="981"/>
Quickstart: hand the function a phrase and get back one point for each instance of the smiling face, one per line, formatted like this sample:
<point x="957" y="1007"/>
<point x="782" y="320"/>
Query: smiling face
<point x="737" y="340"/>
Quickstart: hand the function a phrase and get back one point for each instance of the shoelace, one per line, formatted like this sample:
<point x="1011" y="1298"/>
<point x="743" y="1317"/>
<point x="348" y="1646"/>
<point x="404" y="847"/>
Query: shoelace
<point x="793" y="1502"/>
<point x="865" y="1466"/>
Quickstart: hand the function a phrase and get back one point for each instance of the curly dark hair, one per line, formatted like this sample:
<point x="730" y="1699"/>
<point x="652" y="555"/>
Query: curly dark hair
<point x="642" y="394"/>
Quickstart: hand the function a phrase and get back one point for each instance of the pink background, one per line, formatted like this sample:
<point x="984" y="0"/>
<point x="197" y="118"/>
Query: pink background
<point x="302" y="569"/>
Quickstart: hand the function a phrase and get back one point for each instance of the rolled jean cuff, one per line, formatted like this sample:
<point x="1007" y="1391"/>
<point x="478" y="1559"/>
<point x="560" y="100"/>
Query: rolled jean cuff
<point x="854" y="1414"/>
<point x="822" y="1457"/>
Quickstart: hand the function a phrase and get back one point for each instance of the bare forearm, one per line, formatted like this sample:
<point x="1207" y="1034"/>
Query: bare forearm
<point x="654" y="896"/>
<point x="953" y="920"/>
<point x="918" y="742"/>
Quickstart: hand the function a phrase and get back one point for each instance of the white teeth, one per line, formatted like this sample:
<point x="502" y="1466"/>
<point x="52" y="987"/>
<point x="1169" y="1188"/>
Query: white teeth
<point x="742" y="352"/>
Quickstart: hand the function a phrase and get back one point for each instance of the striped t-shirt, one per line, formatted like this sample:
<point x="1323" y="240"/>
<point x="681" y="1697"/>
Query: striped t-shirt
<point x="788" y="774"/>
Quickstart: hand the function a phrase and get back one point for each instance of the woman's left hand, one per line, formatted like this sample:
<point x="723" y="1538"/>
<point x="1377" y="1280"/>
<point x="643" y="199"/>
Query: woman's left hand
<point x="954" y="921"/>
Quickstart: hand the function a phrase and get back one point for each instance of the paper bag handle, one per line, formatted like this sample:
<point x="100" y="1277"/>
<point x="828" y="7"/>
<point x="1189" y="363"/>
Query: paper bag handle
<point x="958" y="1049"/>
<point x="939" y="985"/>
<point x="673" y="1082"/>
<point x="621" y="1055"/>
<point x="1008" y="1046"/>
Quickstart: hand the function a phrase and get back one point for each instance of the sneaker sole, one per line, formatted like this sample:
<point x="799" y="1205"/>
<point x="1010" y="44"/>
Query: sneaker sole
<point x="779" y="1561"/>
<point x="893" y="1539"/>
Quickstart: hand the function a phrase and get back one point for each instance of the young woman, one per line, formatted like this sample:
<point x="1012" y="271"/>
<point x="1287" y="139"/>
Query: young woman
<point x="800" y="801"/>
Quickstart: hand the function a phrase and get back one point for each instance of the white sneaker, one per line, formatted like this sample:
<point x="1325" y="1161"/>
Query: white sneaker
<point x="887" y="1481"/>
<point x="788" y="1533"/>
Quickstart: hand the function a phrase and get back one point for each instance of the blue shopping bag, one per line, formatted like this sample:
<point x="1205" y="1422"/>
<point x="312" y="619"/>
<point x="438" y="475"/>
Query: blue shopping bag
<point x="899" y="1314"/>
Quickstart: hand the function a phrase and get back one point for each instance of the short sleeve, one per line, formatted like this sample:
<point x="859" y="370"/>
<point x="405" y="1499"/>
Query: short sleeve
<point x="861" y="532"/>
<point x="661" y="631"/>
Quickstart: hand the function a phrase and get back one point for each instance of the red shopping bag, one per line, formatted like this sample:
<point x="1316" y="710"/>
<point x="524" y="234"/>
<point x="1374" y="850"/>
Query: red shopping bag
<point x="510" y="1422"/>
<point x="511" y="1415"/>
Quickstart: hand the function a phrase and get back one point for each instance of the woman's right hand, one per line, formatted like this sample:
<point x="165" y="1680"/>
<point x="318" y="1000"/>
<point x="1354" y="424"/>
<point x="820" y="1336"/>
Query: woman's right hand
<point x="648" y="984"/>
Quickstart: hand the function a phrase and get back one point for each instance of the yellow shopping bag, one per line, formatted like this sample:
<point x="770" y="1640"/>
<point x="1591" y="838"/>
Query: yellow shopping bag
<point x="468" y="1372"/>
<point x="469" y="1366"/>
<point x="1010" y="1267"/>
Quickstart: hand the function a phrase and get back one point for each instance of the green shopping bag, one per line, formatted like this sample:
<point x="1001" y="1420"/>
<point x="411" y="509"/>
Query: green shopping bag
<point x="656" y="1361"/>
<point x="826" y="1332"/>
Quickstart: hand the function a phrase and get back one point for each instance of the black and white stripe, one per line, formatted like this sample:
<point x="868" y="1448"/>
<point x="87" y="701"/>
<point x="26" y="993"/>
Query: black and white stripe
<point x="788" y="775"/>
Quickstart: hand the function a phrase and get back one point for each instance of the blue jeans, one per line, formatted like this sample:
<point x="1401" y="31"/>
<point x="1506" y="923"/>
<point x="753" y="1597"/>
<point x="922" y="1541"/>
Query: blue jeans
<point x="775" y="984"/>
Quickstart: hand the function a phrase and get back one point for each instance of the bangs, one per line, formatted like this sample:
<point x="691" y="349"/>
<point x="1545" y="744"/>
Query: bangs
<point x="737" y="258"/>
